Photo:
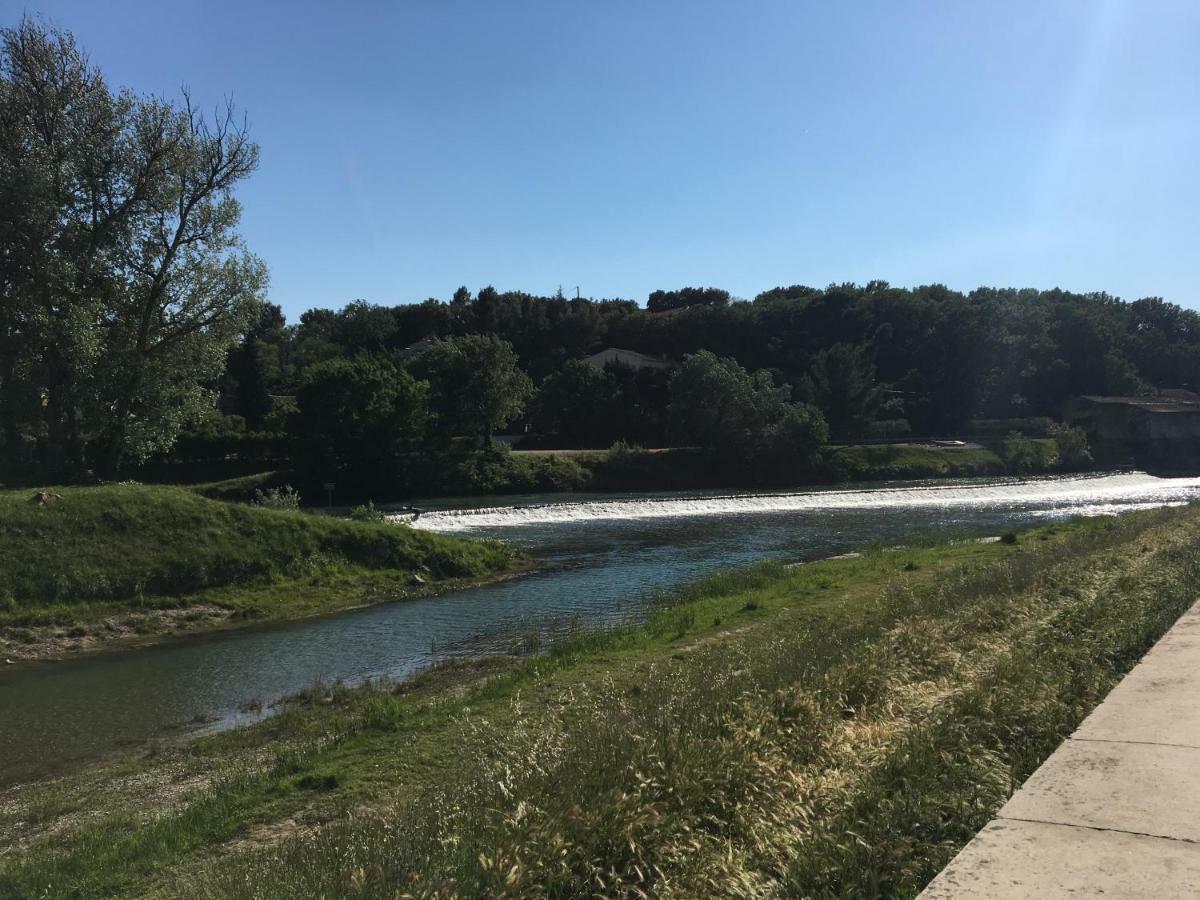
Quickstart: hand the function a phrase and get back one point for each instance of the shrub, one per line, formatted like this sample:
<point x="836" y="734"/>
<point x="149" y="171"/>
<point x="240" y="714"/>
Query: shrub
<point x="1072" y="444"/>
<point x="286" y="497"/>
<point x="1021" y="454"/>
<point x="368" y="513"/>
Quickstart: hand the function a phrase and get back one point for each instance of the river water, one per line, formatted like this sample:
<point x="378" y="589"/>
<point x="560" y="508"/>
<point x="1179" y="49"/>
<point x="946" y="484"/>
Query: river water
<point x="601" y="557"/>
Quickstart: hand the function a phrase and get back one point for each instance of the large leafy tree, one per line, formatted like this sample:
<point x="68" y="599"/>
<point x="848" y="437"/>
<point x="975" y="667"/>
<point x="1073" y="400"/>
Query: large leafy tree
<point x="841" y="382"/>
<point x="476" y="384"/>
<point x="125" y="280"/>
<point x="359" y="416"/>
<point x="580" y="405"/>
<point x="254" y="369"/>
<point x="739" y="416"/>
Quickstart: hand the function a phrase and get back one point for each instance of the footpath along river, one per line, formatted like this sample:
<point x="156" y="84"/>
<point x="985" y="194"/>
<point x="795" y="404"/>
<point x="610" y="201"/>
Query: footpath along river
<point x="601" y="557"/>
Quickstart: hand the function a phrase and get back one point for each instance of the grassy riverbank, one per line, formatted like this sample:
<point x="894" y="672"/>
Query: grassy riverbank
<point x="96" y="564"/>
<point x="498" y="471"/>
<point x="838" y="729"/>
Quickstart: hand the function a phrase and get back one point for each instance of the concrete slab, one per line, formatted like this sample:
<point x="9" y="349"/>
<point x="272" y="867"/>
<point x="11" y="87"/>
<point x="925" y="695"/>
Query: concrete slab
<point x="1115" y="810"/>
<point x="1158" y="702"/>
<point x="1184" y="636"/>
<point x="1019" y="860"/>
<point x="1141" y="788"/>
<point x="1189" y="621"/>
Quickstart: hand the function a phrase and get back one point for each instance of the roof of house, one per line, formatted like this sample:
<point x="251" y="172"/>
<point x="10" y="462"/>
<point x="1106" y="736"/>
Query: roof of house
<point x="1152" y="404"/>
<point x="413" y="349"/>
<point x="630" y="358"/>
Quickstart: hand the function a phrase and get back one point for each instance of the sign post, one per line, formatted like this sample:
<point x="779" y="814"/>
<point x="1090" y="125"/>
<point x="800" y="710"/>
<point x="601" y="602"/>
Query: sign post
<point x="329" y="486"/>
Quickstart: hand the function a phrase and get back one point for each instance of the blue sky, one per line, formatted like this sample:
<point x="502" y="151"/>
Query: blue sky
<point x="623" y="146"/>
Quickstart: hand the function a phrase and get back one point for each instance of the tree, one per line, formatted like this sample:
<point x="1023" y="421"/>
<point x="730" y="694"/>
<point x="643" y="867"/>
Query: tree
<point x="661" y="301"/>
<point x="1021" y="453"/>
<point x="793" y="437"/>
<point x="841" y="382"/>
<point x="125" y="280"/>
<point x="189" y="285"/>
<point x="1072" y="445"/>
<point x="713" y="403"/>
<point x="738" y="416"/>
<point x="253" y="369"/>
<point x="58" y="125"/>
<point x="579" y="404"/>
<point x="359" y="416"/>
<point x="476" y="385"/>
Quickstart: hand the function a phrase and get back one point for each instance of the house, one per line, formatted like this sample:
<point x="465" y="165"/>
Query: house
<point x="1161" y="429"/>
<point x="631" y="359"/>
<point x="415" y="349"/>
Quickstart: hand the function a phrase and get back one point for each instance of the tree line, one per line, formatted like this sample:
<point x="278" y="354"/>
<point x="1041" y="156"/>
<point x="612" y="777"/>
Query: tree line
<point x="856" y="361"/>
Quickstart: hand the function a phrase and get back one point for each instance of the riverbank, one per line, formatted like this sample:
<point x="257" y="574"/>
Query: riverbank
<point x="91" y="568"/>
<point x="729" y="744"/>
<point x="627" y="469"/>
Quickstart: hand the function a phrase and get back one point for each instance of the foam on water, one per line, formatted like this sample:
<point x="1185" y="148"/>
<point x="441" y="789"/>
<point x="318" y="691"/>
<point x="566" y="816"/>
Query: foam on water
<point x="1086" y="495"/>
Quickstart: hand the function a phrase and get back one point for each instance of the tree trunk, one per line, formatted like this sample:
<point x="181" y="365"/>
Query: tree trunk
<point x="55" y="459"/>
<point x="10" y="434"/>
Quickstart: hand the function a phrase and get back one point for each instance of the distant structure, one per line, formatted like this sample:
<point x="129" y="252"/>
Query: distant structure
<point x="631" y="359"/>
<point x="414" y="349"/>
<point x="1160" y="429"/>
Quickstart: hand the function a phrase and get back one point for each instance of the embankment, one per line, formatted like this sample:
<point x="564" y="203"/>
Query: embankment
<point x="89" y="566"/>
<point x="498" y="471"/>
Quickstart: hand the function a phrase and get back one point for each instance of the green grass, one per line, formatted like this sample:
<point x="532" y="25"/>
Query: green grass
<point x="834" y="729"/>
<point x="99" y="550"/>
<point x="528" y="471"/>
<point x="241" y="488"/>
<point x="883" y="461"/>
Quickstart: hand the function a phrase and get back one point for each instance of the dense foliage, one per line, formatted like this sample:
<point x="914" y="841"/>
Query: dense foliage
<point x="123" y="280"/>
<point x="757" y="385"/>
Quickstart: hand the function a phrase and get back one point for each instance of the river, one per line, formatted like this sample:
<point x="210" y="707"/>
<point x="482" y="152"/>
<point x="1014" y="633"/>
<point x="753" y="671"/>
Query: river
<point x="600" y="558"/>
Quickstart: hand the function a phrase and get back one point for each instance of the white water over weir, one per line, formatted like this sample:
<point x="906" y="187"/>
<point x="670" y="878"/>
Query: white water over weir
<point x="1088" y="494"/>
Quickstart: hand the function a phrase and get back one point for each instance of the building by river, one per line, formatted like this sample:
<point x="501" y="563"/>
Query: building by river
<point x="1158" y="430"/>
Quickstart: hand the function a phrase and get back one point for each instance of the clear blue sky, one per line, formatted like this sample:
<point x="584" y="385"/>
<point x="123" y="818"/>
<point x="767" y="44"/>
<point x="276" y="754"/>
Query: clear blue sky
<point x="623" y="146"/>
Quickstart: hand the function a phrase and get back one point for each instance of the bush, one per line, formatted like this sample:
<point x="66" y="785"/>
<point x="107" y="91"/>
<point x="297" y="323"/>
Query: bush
<point x="1021" y="454"/>
<point x="497" y="471"/>
<point x="1072" y="444"/>
<point x="368" y="513"/>
<point x="286" y="497"/>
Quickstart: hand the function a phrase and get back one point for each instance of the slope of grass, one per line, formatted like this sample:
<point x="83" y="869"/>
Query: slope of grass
<point x="871" y="462"/>
<point x="136" y="546"/>
<point x="834" y="729"/>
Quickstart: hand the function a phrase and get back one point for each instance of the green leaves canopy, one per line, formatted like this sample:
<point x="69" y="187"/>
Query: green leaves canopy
<point x="124" y="280"/>
<point x="476" y="382"/>
<point x="719" y="405"/>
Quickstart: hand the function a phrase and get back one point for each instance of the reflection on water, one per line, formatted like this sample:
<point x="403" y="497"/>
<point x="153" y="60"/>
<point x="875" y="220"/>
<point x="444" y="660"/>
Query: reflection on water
<point x="600" y="559"/>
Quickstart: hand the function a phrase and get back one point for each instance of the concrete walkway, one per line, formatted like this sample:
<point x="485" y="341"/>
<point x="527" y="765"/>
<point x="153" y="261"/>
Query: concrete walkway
<point x="1115" y="810"/>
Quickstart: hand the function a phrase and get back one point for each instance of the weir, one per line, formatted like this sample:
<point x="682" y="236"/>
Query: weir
<point x="1096" y="494"/>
